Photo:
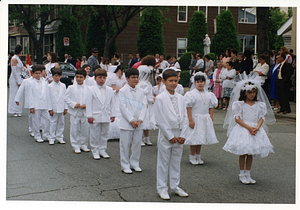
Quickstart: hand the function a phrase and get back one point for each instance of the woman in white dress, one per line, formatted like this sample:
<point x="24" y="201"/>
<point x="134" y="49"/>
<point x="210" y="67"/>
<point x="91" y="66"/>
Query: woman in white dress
<point x="105" y="64"/>
<point x="200" y="108"/>
<point x="247" y="134"/>
<point x="116" y="80"/>
<point x="52" y="58"/>
<point x="15" y="81"/>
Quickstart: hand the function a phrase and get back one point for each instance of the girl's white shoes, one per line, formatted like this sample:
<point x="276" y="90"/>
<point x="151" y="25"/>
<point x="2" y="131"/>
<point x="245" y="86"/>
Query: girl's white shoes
<point x="196" y="160"/>
<point x="246" y="179"/>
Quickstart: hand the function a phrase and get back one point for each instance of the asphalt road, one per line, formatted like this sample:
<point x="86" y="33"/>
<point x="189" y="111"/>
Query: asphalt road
<point x="41" y="172"/>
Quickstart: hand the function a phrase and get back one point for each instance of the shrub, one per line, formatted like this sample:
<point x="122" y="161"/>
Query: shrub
<point x="69" y="28"/>
<point x="151" y="40"/>
<point x="196" y="32"/>
<point x="185" y="78"/>
<point x="185" y="61"/>
<point x="226" y="36"/>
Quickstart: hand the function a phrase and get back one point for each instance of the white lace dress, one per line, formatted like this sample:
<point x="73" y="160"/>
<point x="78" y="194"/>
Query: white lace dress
<point x="240" y="141"/>
<point x="114" y="131"/>
<point x="203" y="132"/>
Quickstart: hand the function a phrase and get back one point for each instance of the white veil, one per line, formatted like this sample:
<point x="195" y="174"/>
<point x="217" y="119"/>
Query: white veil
<point x="144" y="72"/>
<point x="240" y="81"/>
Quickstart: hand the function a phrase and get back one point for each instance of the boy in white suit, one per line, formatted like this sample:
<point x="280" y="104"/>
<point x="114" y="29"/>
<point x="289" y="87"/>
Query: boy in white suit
<point x="39" y="101"/>
<point x="24" y="88"/>
<point x="100" y="111"/>
<point x="75" y="99"/>
<point x="58" y="107"/>
<point x="133" y="111"/>
<point x="171" y="118"/>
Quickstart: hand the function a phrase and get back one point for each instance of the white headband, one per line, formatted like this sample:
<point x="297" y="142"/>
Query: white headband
<point x="249" y="87"/>
<point x="200" y="73"/>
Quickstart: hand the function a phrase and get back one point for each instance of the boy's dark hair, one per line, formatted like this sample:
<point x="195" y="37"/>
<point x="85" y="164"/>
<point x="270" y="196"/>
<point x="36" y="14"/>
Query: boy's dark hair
<point x="117" y="56"/>
<point x="199" y="78"/>
<point x="81" y="72"/>
<point x="168" y="57"/>
<point x="100" y="72"/>
<point x="230" y="63"/>
<point x="38" y="67"/>
<point x="169" y="73"/>
<point x="159" y="78"/>
<point x="243" y="94"/>
<point x="131" y="71"/>
<point x="199" y="55"/>
<point x="148" y="60"/>
<point x="282" y="55"/>
<point x="85" y="65"/>
<point x="96" y="67"/>
<point x="118" y="68"/>
<point x="57" y="71"/>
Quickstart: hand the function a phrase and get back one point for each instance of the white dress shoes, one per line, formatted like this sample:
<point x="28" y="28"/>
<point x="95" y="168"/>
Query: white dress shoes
<point x="164" y="195"/>
<point x="39" y="140"/>
<point x="127" y="171"/>
<point x="61" y="141"/>
<point x="85" y="149"/>
<point x="96" y="156"/>
<point x="137" y="169"/>
<point x="251" y="181"/>
<point x="181" y="193"/>
<point x="244" y="179"/>
<point x="104" y="155"/>
<point x="77" y="151"/>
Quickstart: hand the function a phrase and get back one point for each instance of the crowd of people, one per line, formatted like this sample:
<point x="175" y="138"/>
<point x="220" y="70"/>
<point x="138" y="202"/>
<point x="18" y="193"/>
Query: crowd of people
<point x="106" y="103"/>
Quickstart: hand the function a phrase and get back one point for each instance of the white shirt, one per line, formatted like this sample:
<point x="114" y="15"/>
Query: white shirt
<point x="164" y="64"/>
<point x="175" y="106"/>
<point x="263" y="69"/>
<point x="200" y="63"/>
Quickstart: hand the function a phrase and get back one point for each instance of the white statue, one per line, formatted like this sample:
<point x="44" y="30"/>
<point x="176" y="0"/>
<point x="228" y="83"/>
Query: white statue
<point x="206" y="43"/>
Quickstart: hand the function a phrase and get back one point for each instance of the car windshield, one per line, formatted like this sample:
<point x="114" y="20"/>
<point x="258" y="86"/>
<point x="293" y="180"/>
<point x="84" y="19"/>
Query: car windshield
<point x="67" y="66"/>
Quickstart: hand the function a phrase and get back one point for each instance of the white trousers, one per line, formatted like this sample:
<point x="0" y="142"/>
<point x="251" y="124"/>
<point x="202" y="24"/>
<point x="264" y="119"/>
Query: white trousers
<point x="133" y="138"/>
<point x="30" y="121"/>
<point x="99" y="137"/>
<point x="78" y="132"/>
<point x="168" y="160"/>
<point x="57" y="125"/>
<point x="37" y="120"/>
<point x="45" y="122"/>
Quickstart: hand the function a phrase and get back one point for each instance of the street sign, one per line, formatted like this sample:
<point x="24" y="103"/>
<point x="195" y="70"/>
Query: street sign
<point x="66" y="41"/>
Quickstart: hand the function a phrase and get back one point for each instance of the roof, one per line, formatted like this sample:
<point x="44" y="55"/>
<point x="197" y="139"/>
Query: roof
<point x="286" y="26"/>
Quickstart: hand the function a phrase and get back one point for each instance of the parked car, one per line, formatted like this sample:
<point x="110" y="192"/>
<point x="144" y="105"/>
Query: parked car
<point x="68" y="73"/>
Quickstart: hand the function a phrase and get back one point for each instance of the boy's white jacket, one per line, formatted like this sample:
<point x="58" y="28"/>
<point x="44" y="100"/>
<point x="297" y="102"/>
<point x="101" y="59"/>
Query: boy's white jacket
<point x="165" y="115"/>
<point x="58" y="104"/>
<point x="25" y="86"/>
<point x="132" y="109"/>
<point x="72" y="99"/>
<point x="39" y="98"/>
<point x="101" y="112"/>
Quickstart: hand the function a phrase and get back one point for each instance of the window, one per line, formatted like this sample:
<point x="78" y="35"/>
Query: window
<point x="25" y="40"/>
<point x="204" y="10"/>
<point x="12" y="45"/>
<point x="221" y="8"/>
<point x="181" y="46"/>
<point x="247" y="42"/>
<point x="182" y="14"/>
<point x="46" y="44"/>
<point x="18" y="40"/>
<point x="247" y="15"/>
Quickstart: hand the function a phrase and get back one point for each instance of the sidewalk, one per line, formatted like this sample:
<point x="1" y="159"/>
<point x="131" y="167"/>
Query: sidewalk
<point x="291" y="115"/>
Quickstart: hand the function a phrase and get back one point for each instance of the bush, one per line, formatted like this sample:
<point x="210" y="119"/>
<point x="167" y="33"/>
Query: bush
<point x="151" y="40"/>
<point x="226" y="36"/>
<point x="196" y="32"/>
<point x="69" y="28"/>
<point x="185" y="61"/>
<point x="185" y="78"/>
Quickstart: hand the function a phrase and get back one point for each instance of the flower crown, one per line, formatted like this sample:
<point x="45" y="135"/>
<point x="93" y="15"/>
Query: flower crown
<point x="248" y="87"/>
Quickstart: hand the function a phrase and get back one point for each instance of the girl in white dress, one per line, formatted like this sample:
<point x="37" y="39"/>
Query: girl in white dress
<point x="116" y="80"/>
<point x="52" y="58"/>
<point x="247" y="136"/>
<point x="200" y="108"/>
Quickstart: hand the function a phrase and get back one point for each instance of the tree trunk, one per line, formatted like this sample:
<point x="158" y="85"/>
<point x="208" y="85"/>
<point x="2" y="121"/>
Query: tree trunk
<point x="262" y="14"/>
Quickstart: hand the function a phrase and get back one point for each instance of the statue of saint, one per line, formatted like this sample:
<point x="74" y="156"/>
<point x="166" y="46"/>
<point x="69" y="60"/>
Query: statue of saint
<point x="206" y="43"/>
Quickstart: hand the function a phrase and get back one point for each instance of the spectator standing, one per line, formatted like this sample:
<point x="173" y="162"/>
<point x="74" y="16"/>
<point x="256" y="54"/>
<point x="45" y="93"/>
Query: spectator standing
<point x="66" y="58"/>
<point x="227" y="56"/>
<point x="273" y="86"/>
<point x="209" y="66"/>
<point x="72" y="60"/>
<point x="131" y="60"/>
<point x="105" y="65"/>
<point x="78" y="63"/>
<point x="138" y="58"/>
<point x="52" y="58"/>
<point x="288" y="57"/>
<point x="262" y="70"/>
<point x="247" y="63"/>
<point x="200" y="63"/>
<point x="84" y="61"/>
<point x="193" y="63"/>
<point x="93" y="60"/>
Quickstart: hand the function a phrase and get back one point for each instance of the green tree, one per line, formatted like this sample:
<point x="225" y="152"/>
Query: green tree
<point x="196" y="32"/>
<point x="226" y="36"/>
<point x="69" y="28"/>
<point x="150" y="36"/>
<point x="185" y="60"/>
<point x="277" y="18"/>
<point x="34" y="19"/>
